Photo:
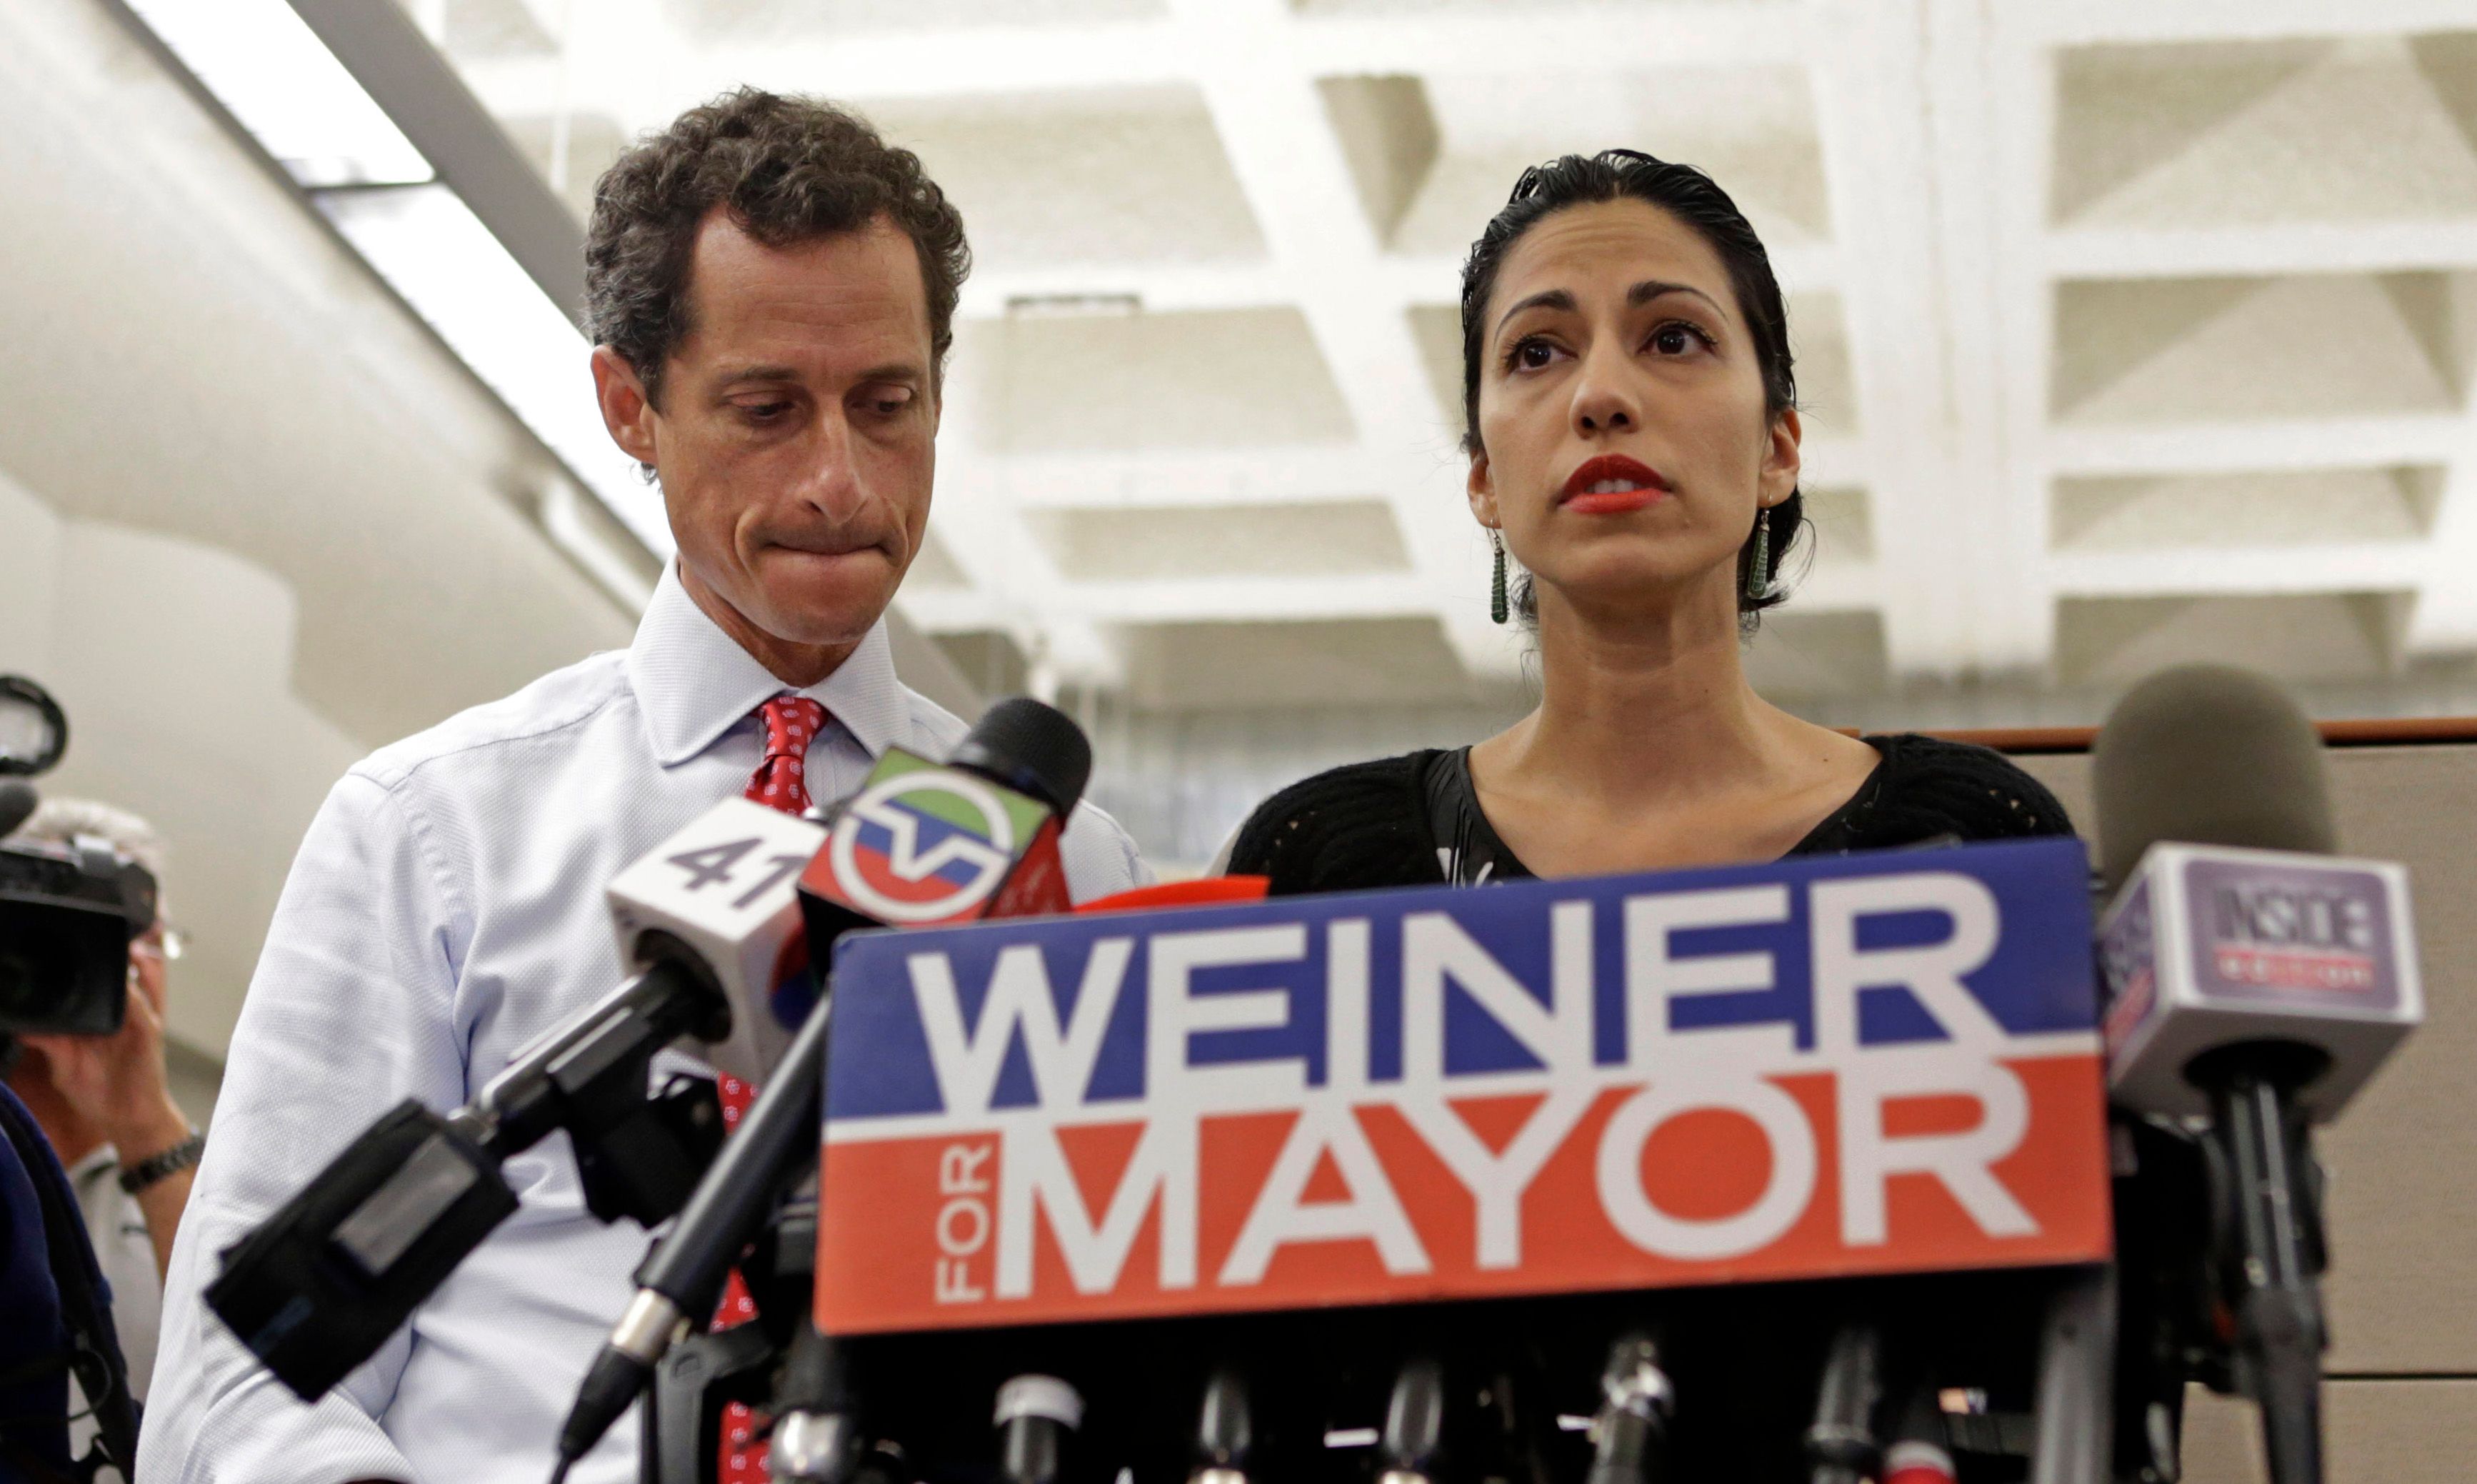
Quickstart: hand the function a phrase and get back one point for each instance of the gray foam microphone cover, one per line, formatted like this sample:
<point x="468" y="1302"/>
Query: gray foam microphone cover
<point x="2208" y="755"/>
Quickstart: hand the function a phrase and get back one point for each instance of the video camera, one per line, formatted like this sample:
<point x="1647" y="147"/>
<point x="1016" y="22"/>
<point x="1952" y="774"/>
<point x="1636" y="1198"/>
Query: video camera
<point x="68" y="913"/>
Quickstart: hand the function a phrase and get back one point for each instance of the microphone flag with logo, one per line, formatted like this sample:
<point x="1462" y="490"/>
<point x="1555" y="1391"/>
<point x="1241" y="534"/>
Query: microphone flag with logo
<point x="925" y="843"/>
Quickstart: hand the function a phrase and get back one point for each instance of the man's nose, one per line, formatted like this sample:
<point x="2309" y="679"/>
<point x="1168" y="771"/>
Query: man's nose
<point x="830" y="477"/>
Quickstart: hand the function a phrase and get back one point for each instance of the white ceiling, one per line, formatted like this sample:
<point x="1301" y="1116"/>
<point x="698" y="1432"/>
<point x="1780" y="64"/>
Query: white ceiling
<point x="2129" y="329"/>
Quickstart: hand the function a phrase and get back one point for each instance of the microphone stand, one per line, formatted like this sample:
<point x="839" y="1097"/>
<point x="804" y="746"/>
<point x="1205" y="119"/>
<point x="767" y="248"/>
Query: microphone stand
<point x="2271" y="1243"/>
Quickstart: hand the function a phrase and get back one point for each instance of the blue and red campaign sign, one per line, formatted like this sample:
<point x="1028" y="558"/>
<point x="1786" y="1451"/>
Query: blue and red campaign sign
<point x="1860" y="1064"/>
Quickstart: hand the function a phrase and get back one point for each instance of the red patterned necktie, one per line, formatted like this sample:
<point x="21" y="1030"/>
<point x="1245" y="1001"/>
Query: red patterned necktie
<point x="791" y="723"/>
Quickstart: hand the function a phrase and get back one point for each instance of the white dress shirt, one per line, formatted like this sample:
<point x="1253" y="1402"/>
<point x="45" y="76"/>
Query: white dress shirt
<point x="446" y="908"/>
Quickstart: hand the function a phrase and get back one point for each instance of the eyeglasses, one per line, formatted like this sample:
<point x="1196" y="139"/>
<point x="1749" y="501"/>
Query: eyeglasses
<point x="163" y="940"/>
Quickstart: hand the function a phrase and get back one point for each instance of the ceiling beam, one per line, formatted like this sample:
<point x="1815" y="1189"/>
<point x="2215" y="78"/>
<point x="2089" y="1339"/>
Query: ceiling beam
<point x="422" y="92"/>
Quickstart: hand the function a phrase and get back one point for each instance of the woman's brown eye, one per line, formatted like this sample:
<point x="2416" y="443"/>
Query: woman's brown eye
<point x="1672" y="339"/>
<point x="1531" y="355"/>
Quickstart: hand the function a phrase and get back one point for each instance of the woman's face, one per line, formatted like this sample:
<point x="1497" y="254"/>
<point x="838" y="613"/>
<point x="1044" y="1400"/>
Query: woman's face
<point x="1625" y="440"/>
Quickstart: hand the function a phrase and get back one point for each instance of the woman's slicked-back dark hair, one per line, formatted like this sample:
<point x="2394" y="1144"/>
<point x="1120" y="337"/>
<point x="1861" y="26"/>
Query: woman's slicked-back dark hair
<point x="1694" y="199"/>
<point x="790" y="170"/>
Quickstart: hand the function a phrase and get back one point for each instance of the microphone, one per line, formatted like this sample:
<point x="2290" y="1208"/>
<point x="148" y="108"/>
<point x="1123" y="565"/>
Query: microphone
<point x="817" y="1440"/>
<point x="709" y="920"/>
<point x="723" y="893"/>
<point x="1920" y="1452"/>
<point x="1414" y="1425"/>
<point x="1842" y="1443"/>
<point x="921" y="843"/>
<point x="1630" y="1433"/>
<point x="1224" y="1431"/>
<point x="2256" y="982"/>
<point x="1035" y="1415"/>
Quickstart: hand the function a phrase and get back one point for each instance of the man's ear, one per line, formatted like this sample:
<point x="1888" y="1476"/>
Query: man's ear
<point x="1782" y="461"/>
<point x="1480" y="488"/>
<point x="626" y="412"/>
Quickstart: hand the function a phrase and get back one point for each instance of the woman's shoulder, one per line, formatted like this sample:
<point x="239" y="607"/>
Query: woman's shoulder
<point x="1934" y="786"/>
<point x="1360" y="824"/>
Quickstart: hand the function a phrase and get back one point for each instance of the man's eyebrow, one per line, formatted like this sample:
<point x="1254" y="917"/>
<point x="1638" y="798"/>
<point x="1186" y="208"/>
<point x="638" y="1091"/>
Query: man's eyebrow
<point x="769" y="375"/>
<point x="891" y="371"/>
<point x="1659" y="288"/>
<point x="760" y="373"/>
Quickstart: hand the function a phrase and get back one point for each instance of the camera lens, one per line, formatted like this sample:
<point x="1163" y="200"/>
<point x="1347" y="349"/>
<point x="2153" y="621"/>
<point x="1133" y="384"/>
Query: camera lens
<point x="62" y="971"/>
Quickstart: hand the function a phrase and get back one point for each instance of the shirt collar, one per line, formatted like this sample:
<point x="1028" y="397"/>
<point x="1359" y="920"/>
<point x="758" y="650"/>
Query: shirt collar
<point x="694" y="682"/>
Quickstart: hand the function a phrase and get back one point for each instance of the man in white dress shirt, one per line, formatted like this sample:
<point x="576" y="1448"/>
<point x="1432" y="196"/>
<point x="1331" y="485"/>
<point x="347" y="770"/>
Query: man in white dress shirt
<point x="773" y="291"/>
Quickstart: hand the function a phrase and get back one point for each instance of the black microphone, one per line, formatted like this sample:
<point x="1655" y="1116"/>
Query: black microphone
<point x="1630" y="1431"/>
<point x="709" y="918"/>
<point x="1036" y="1416"/>
<point x="1413" y="1439"/>
<point x="1224" y="1431"/>
<point x="817" y="1439"/>
<point x="1842" y="1444"/>
<point x="2255" y="980"/>
<point x="893" y="853"/>
<point x="318" y="1286"/>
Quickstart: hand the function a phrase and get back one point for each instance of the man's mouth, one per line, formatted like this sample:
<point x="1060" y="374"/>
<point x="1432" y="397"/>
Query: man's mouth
<point x="1610" y="485"/>
<point x="826" y="546"/>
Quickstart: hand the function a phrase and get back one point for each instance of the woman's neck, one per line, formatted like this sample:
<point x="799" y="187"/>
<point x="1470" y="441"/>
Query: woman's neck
<point x="1617" y="691"/>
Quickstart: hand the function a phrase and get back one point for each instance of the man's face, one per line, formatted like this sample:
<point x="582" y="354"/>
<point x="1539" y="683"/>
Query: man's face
<point x="796" y="436"/>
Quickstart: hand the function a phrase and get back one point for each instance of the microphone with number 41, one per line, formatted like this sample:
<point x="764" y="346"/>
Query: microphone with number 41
<point x="710" y="928"/>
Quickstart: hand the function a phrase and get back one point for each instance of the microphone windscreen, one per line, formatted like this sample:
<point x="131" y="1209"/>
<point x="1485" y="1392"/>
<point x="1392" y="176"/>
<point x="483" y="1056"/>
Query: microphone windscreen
<point x="2208" y="755"/>
<point x="1031" y="748"/>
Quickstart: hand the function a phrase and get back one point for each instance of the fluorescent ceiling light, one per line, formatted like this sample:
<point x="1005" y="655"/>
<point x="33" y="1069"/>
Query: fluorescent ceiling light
<point x="266" y="65"/>
<point x="270" y="71"/>
<point x="436" y="252"/>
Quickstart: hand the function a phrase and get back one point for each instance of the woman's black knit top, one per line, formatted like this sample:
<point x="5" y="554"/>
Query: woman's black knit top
<point x="1415" y="819"/>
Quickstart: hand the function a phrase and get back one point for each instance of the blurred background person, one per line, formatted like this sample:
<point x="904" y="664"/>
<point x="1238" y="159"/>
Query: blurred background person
<point x="1630" y="414"/>
<point x="106" y="1103"/>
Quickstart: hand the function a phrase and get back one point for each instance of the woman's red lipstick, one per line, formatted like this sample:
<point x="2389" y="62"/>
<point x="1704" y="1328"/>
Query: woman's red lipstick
<point x="1612" y="485"/>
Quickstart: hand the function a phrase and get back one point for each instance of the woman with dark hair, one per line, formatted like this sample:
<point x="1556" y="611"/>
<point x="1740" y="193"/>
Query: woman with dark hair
<point x="1631" y="421"/>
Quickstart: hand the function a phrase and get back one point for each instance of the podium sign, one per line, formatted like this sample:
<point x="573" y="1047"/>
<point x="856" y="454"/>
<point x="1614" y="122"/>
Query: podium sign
<point x="1862" y="1064"/>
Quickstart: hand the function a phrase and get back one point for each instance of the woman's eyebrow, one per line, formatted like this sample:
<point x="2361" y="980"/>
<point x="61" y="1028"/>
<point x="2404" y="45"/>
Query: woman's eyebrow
<point x="1546" y="299"/>
<point x="1659" y="288"/>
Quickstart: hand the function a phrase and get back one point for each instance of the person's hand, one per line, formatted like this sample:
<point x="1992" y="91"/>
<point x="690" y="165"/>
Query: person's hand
<point x="117" y="1082"/>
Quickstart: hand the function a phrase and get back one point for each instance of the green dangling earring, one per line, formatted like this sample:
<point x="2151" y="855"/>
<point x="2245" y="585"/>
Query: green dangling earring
<point x="1759" y="581"/>
<point x="1497" y="607"/>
